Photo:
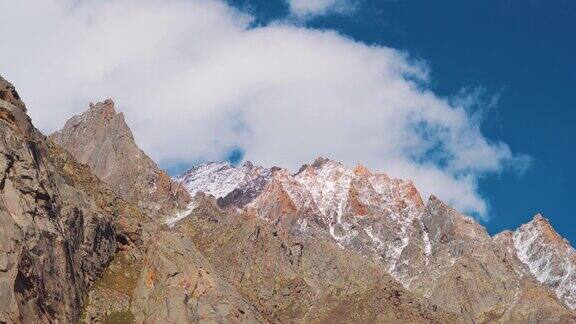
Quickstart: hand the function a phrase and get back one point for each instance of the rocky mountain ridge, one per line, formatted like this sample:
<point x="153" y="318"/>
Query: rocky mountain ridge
<point x="550" y="258"/>
<point x="83" y="225"/>
<point x="386" y="220"/>
<point x="172" y="278"/>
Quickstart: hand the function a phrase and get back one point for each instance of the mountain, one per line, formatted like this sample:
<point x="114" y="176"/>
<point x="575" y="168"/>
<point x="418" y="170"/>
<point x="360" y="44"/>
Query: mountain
<point x="175" y="277"/>
<point x="546" y="255"/>
<point x="92" y="230"/>
<point x="228" y="184"/>
<point x="430" y="249"/>
<point x="290" y="278"/>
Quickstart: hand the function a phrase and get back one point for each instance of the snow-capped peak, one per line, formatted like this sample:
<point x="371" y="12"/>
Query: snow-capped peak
<point x="220" y="178"/>
<point x="214" y="178"/>
<point x="551" y="259"/>
<point x="328" y="182"/>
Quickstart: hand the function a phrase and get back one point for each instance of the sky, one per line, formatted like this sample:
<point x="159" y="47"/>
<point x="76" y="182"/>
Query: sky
<point x="474" y="101"/>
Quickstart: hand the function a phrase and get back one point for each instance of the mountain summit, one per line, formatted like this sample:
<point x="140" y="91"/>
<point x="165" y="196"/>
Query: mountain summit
<point x="101" y="138"/>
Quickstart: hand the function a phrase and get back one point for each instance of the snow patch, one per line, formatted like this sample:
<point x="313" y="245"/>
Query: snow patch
<point x="551" y="263"/>
<point x="427" y="245"/>
<point x="328" y="187"/>
<point x="171" y="221"/>
<point x="214" y="178"/>
<point x="302" y="225"/>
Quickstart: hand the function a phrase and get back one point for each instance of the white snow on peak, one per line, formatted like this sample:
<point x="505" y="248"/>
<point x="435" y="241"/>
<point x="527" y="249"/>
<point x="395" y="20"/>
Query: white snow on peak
<point x="214" y="178"/>
<point x="550" y="260"/>
<point x="172" y="220"/>
<point x="329" y="183"/>
<point x="391" y="207"/>
<point x="325" y="189"/>
<point x="328" y="186"/>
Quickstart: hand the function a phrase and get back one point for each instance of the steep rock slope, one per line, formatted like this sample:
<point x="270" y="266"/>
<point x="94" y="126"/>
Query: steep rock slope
<point x="299" y="279"/>
<point x="163" y="278"/>
<point x="547" y="256"/>
<point x="70" y="245"/>
<point x="101" y="139"/>
<point x="59" y="226"/>
<point x="470" y="273"/>
<point x="178" y="285"/>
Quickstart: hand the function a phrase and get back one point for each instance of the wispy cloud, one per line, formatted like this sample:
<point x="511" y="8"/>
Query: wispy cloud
<point x="196" y="81"/>
<point x="305" y="9"/>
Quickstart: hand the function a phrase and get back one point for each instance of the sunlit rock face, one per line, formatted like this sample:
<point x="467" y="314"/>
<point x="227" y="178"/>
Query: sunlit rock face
<point x="101" y="139"/>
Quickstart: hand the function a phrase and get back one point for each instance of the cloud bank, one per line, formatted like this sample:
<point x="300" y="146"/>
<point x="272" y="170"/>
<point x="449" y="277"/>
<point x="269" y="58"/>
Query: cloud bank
<point x="196" y="82"/>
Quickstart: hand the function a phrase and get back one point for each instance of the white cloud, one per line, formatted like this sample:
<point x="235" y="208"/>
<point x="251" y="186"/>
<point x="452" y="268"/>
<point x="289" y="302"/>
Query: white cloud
<point x="310" y="8"/>
<point x="195" y="81"/>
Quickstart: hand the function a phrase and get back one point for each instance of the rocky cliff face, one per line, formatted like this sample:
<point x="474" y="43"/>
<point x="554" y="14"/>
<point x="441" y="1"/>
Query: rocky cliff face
<point x="71" y="248"/>
<point x="178" y="285"/>
<point x="101" y="139"/>
<point x="59" y="226"/>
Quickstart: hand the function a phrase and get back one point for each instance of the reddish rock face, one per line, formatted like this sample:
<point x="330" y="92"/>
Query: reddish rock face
<point x="101" y="139"/>
<point x="292" y="278"/>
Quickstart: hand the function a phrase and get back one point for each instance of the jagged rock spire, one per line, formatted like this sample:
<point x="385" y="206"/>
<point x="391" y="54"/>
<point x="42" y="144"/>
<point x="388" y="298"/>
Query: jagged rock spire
<point x="102" y="139"/>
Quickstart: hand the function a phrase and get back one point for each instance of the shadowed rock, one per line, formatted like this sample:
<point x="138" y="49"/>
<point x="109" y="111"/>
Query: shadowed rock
<point x="59" y="225"/>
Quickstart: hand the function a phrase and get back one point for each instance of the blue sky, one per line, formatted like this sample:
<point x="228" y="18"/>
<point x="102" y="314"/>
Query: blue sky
<point x="521" y="51"/>
<point x="471" y="100"/>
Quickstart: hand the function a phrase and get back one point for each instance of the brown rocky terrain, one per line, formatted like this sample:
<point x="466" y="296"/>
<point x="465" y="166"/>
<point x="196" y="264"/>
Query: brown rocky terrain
<point x="178" y="285"/>
<point x="475" y="276"/>
<point x="180" y="281"/>
<point x="71" y="248"/>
